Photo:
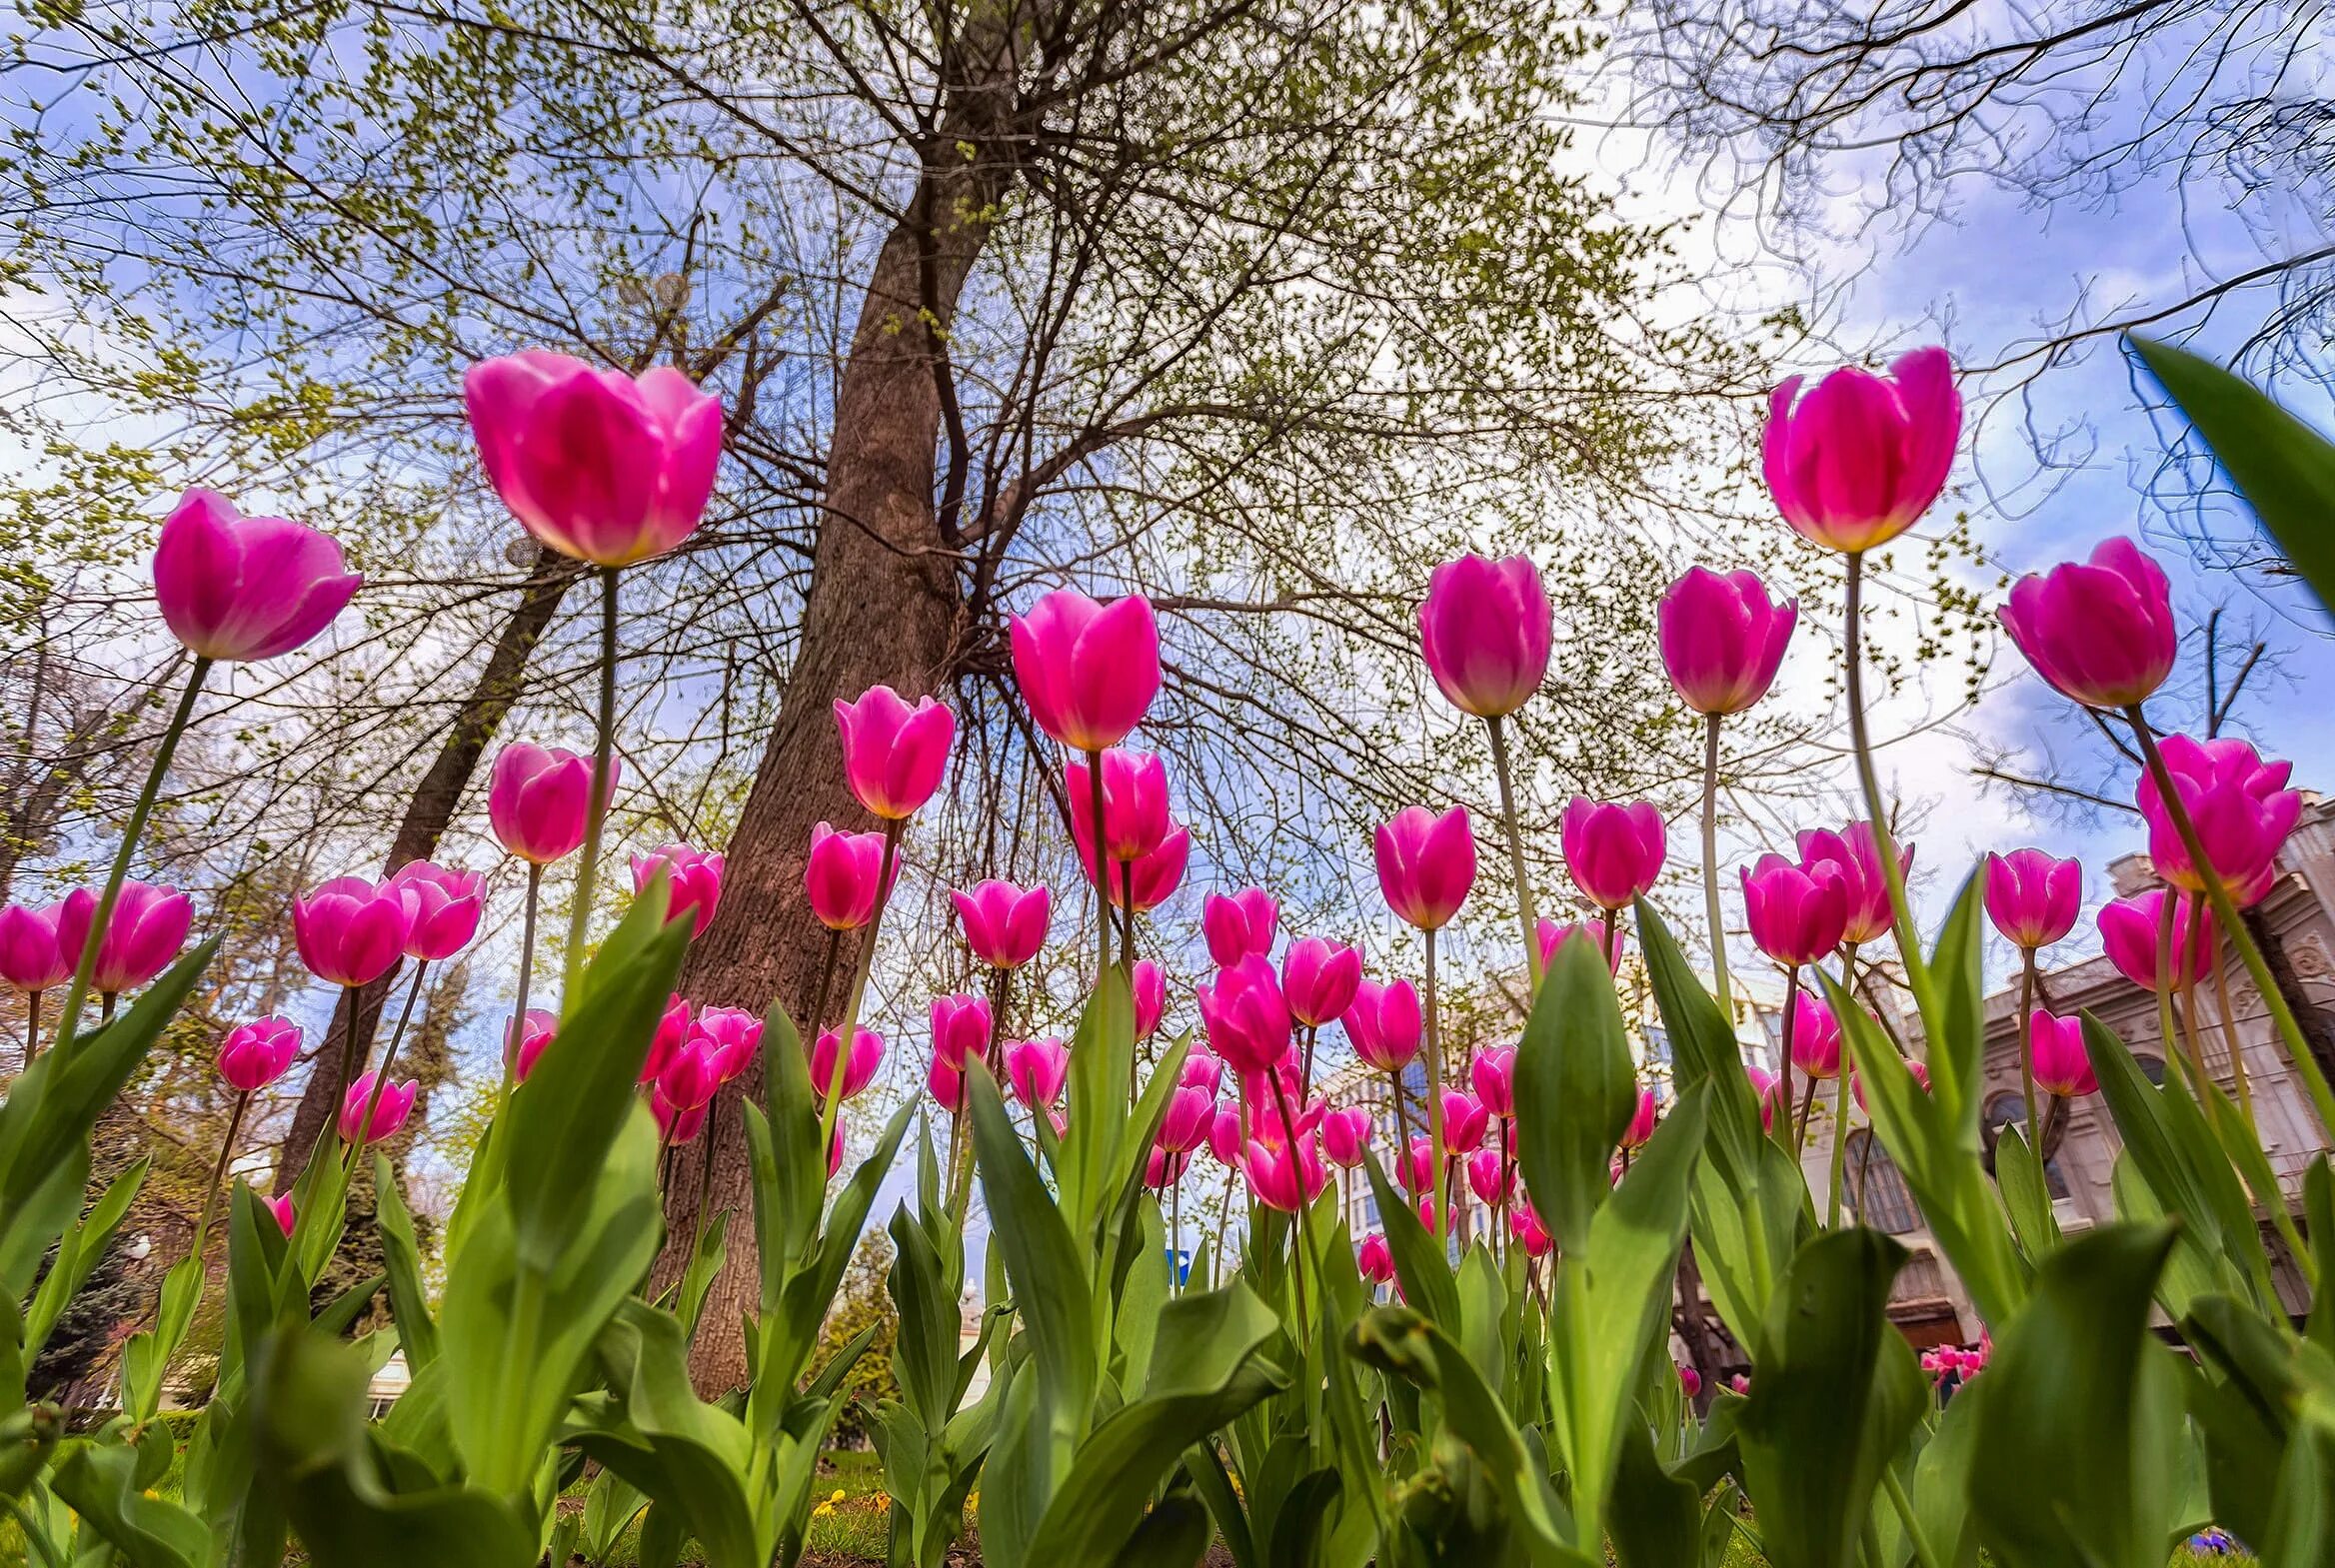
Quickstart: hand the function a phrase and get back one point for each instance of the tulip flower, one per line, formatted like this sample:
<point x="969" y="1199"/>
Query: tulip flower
<point x="1203" y="1070"/>
<point x="1225" y="1140"/>
<point x="1345" y="1133"/>
<point x="692" y="1076"/>
<point x="30" y="959"/>
<point x="1237" y="924"/>
<point x="1691" y="1382"/>
<point x="1552" y="936"/>
<point x="1796" y="917"/>
<point x="1486" y="629"/>
<point x="2237" y="804"/>
<point x="388" y="1113"/>
<point x="945" y="1081"/>
<point x="859" y="1064"/>
<point x="1321" y="980"/>
<point x="961" y="1030"/>
<point x="1767" y="1089"/>
<point x="1427" y="864"/>
<point x="1284" y="1176"/>
<point x="286" y="1212"/>
<point x="1641" y="1121"/>
<point x="1383" y="1024"/>
<point x="1858" y="460"/>
<point x="730" y="1037"/>
<point x="674" y="1124"/>
<point x="693" y="883"/>
<point x="1722" y="638"/>
<point x="597" y="465"/>
<point x="672" y="1030"/>
<point x="1465" y="1120"/>
<point x="1088" y="672"/>
<point x="1489" y="1177"/>
<point x="442" y="908"/>
<point x="1494" y="1074"/>
<point x="349" y="932"/>
<point x="1036" y="1071"/>
<point x="1815" y="1038"/>
<point x="245" y="589"/>
<point x="1613" y="852"/>
<point x="2062" y="1065"/>
<point x="1267" y="1093"/>
<point x="1163" y="1167"/>
<point x="1374" y="1259"/>
<point x="1151" y="997"/>
<point x="535" y="1032"/>
<point x="1005" y="925"/>
<point x="538" y="799"/>
<point x="256" y="1054"/>
<point x="148" y="928"/>
<point x="1918" y="1071"/>
<point x="844" y="876"/>
<point x="2129" y="935"/>
<point x="1524" y="1223"/>
<point x="2100" y="632"/>
<point x="1417" y="1168"/>
<point x="893" y="755"/>
<point x="2033" y="899"/>
<point x="1145" y="883"/>
<point x="1855" y="855"/>
<point x="1185" y="1126"/>
<point x="1134" y="804"/>
<point x="1244" y="1015"/>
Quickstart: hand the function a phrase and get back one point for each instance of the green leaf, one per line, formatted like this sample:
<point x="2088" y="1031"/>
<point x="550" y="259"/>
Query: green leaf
<point x="401" y="1257"/>
<point x="2025" y="1196"/>
<point x="2319" y="1214"/>
<point x="1101" y="1056"/>
<point x="1956" y="1055"/>
<point x="78" y="1251"/>
<point x="790" y="1186"/>
<point x="1422" y="1268"/>
<point x="101" y="1482"/>
<point x="147" y="1353"/>
<point x="1172" y="1535"/>
<point x="1703" y="1049"/>
<point x="1657" y="1518"/>
<point x="1575" y="1091"/>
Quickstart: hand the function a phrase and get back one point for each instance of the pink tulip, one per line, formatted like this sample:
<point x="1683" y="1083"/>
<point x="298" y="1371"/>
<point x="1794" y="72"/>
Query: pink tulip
<point x="2129" y="935"/>
<point x="842" y="875"/>
<point x="1237" y="924"/>
<point x="675" y="1124"/>
<point x="692" y="1077"/>
<point x="396" y="1103"/>
<point x="1641" y="1122"/>
<point x="1486" y="629"/>
<point x="2238" y="804"/>
<point x="1134" y="804"/>
<point x="1488" y="1176"/>
<point x="1815" y="1038"/>
<point x="1265" y="1100"/>
<point x="1427" y="864"/>
<point x="594" y="463"/>
<point x="1691" y="1382"/>
<point x="2033" y="899"/>
<point x="945" y="1082"/>
<point x="1287" y="1176"/>
<point x="1145" y="883"/>
<point x="1225" y="1140"/>
<point x="1493" y="1074"/>
<point x="1530" y="1233"/>
<point x="1796" y="917"/>
<point x="2100" y="632"/>
<point x="1552" y="936"/>
<point x="245" y="589"/>
<point x="349" y="932"/>
<point x="672" y="1029"/>
<point x="256" y="1054"/>
<point x="536" y="1033"/>
<point x="1345" y="1133"/>
<point x="1184" y="1126"/>
<point x="1005" y="925"/>
<point x="1855" y="854"/>
<point x="538" y="799"/>
<point x="893" y="755"/>
<point x="1383" y="1024"/>
<point x="1740" y="1383"/>
<point x="145" y="933"/>
<point x="1615" y="852"/>
<point x="1321" y="979"/>
<point x="1088" y="672"/>
<point x="1722" y="638"/>
<point x="961" y="1030"/>
<point x="1203" y="1070"/>
<point x="858" y="1067"/>
<point x="1418" y="1168"/>
<point x="1918" y="1071"/>
<point x="2062" y="1065"/>
<point x="1244" y="1015"/>
<point x="1465" y="1120"/>
<point x="1768" y="1088"/>
<point x="31" y="960"/>
<point x="693" y="883"/>
<point x="730" y="1037"/>
<point x="1163" y="1167"/>
<point x="1150" y="996"/>
<point x="287" y="1214"/>
<point x="1861" y="458"/>
<point x="442" y="908"/>
<point x="1374" y="1259"/>
<point x="1036" y="1071"/>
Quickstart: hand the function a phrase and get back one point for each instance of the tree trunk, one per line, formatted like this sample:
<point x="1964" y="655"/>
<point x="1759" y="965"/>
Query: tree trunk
<point x="427" y="813"/>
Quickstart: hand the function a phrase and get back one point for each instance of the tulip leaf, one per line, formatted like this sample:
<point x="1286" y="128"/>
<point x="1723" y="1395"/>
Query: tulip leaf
<point x="2319" y="1215"/>
<point x="1703" y="1049"/>
<point x="1050" y="1290"/>
<point x="789" y="1183"/>
<point x="101" y="1483"/>
<point x="1658" y="1517"/>
<point x="1420" y="1268"/>
<point x="1575" y="1091"/>
<point x="2026" y="1197"/>
<point x="401" y="1259"/>
<point x="79" y="1250"/>
<point x="147" y="1353"/>
<point x="1102" y="1071"/>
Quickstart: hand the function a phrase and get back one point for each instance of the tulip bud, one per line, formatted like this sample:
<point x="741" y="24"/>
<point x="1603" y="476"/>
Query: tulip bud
<point x="2033" y="899"/>
<point x="389" y="1114"/>
<point x="1237" y="924"/>
<point x="2100" y="632"/>
<point x="1691" y="1382"/>
<point x="1465" y="1120"/>
<point x="147" y="929"/>
<point x="1244" y="1015"/>
<point x="893" y="755"/>
<point x="945" y="1082"/>
<point x="672" y="1029"/>
<point x="1151" y="997"/>
<point x="286" y="1213"/>
<point x="1036" y="1071"/>
<point x="1087" y="670"/>
<point x="1796" y="917"/>
<point x="1286" y="1177"/>
<point x="675" y="1124"/>
<point x="1163" y="1167"/>
<point x="1613" y="852"/>
<point x="538" y="799"/>
<point x="1488" y="1176"/>
<point x="1641" y="1122"/>
<point x="693" y="883"/>
<point x="256" y="1054"/>
<point x="1861" y="458"/>
<point x="1134" y="804"/>
<point x="690" y="1081"/>
<point x="1345" y="1134"/>
<point x="859" y="1069"/>
<point x="1493" y="1074"/>
<point x="731" y="1036"/>
<point x="442" y="908"/>
<point x="1550" y="935"/>
<point x="1374" y="1259"/>
<point x="1530" y="1233"/>
<point x="245" y="589"/>
<point x="535" y="1032"/>
<point x="1383" y="1024"/>
<point x="1321" y="980"/>
<point x="1427" y="864"/>
<point x="841" y="876"/>
<point x="1815" y="1038"/>
<point x="1486" y="629"/>
<point x="1225" y="1139"/>
<point x="2056" y="1047"/>
<point x="1203" y="1070"/>
<point x="1722" y="639"/>
<point x="31" y="960"/>
<point x="1145" y="883"/>
<point x="961" y="1030"/>
<point x="1005" y="925"/>
<point x="349" y="932"/>
<point x="2129" y="935"/>
<point x="1185" y="1126"/>
<point x="1855" y="857"/>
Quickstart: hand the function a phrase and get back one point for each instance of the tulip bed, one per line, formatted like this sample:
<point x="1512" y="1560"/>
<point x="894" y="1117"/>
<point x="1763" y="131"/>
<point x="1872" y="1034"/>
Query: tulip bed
<point x="1302" y="1396"/>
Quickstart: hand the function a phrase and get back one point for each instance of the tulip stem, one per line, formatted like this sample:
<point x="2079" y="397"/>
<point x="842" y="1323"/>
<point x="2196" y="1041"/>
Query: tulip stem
<point x="1401" y="1124"/>
<point x="1297" y="1167"/>
<point x="2027" y="1042"/>
<point x="77" y="994"/>
<point x="1102" y="866"/>
<point x="1783" y="1100"/>
<point x="1924" y="1554"/>
<point x="1710" y="865"/>
<point x="1435" y="1104"/>
<point x="2168" y="1037"/>
<point x="1840" y="1138"/>
<point x="219" y="1174"/>
<point x="1861" y="738"/>
<point x="32" y="1027"/>
<point x="1524" y="911"/>
<point x="388" y="1059"/>
<point x="2229" y="1034"/>
<point x="845" y="1030"/>
<point x="517" y="1026"/>
<point x="596" y="810"/>
<point x="2225" y="913"/>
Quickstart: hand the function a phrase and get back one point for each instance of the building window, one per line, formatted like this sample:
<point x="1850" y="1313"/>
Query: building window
<point x="1876" y="1187"/>
<point x="2152" y="1069"/>
<point x="2010" y="1109"/>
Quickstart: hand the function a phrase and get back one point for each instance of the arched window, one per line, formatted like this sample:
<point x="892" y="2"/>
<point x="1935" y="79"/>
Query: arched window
<point x="1876" y="1187"/>
<point x="2010" y="1109"/>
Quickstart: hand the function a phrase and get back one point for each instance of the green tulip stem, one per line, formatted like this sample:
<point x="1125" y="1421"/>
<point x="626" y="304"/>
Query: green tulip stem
<point x="2034" y="1128"/>
<point x="1435" y="1105"/>
<point x="595" y="809"/>
<point x="1860" y="737"/>
<point x="1524" y="911"/>
<point x="1102" y="868"/>
<point x="1710" y="866"/>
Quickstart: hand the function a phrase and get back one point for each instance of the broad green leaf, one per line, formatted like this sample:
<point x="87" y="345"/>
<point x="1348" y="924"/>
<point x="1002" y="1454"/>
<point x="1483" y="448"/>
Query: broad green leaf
<point x="147" y="1353"/>
<point x="790" y="1185"/>
<point x="101" y="1481"/>
<point x="1656" y="1520"/>
<point x="1050" y="1290"/>
<point x="78" y="1251"/>
<point x="2319" y="1214"/>
<point x="1703" y="1049"/>
<point x="1956" y="1054"/>
<point x="2025" y="1195"/>
<point x="1101" y="1057"/>
<point x="1422" y="1268"/>
<point x="1575" y="1091"/>
<point x="401" y="1257"/>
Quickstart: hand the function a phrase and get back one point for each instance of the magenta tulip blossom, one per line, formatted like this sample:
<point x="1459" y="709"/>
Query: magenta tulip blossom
<point x="693" y="883"/>
<point x="1722" y="638"/>
<point x="245" y="589"/>
<point x="1427" y="864"/>
<point x="1797" y="916"/>
<point x="1815" y="1038"/>
<point x="1151" y="997"/>
<point x="2033" y="899"/>
<point x="535" y="1032"/>
<point x="675" y="1124"/>
<point x="1146" y="884"/>
<point x="2238" y="805"/>
<point x="1916" y="1070"/>
<point x="1855" y="856"/>
<point x="1163" y="1167"/>
<point x="1224" y="1139"/>
<point x="1036" y="1071"/>
<point x="1134" y="804"/>
<point x="2100" y="632"/>
<point x="349" y="932"/>
<point x="1345" y="1133"/>
<point x="256" y="1054"/>
<point x="1183" y="1126"/>
<point x="2062" y="1065"/>
<point x="1493" y="1072"/>
<point x="1005" y="925"/>
<point x="961" y="1028"/>
<point x="1613" y="852"/>
<point x="285" y="1212"/>
<point x="595" y="463"/>
<point x="1088" y="672"/>
<point x="1245" y="1017"/>
<point x="1374" y="1259"/>
<point x="1465" y="1120"/>
<point x="730" y="1037"/>
<point x="1552" y="936"/>
<point x="1239" y="924"/>
<point x="858" y="1067"/>
<point x="538" y="797"/>
<point x="31" y="958"/>
<point x="389" y="1114"/>
<point x="1856" y="461"/>
<point x="893" y="755"/>
<point x="844" y="875"/>
<point x="1486" y="628"/>
<point x="1767" y="1089"/>
<point x="945" y="1082"/>
<point x="1417" y="1169"/>
<point x="442" y="907"/>
<point x="692" y="1076"/>
<point x="1524" y="1223"/>
<point x="1203" y="1070"/>
<point x="1641" y="1121"/>
<point x="1383" y="1023"/>
<point x="1690" y="1382"/>
<point x="2129" y="935"/>
<point x="1490" y="1177"/>
<point x="148" y="927"/>
<point x="1286" y="1177"/>
<point x="1320" y="977"/>
<point x="672" y="1030"/>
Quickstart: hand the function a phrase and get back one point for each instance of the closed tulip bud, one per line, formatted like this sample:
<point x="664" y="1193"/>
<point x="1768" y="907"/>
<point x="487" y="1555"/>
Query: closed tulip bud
<point x="731" y="1036"/>
<point x="535" y="1034"/>
<point x="29" y="957"/>
<point x="1163" y="1167"/>
<point x="674" y="1124"/>
<point x="1345" y="1133"/>
<point x="442" y="908"/>
<point x="2062" y="1065"/>
<point x="1858" y="460"/>
<point x="1486" y="629"/>
<point x="1005" y="925"/>
<point x="672" y="1029"/>
<point x="961" y="1030"/>
<point x="1722" y="638"/>
<point x="1321" y="980"/>
<point x="1855" y="856"/>
<point x="2129" y="935"/>
<point x="1530" y="1233"/>
<point x="1552" y="936"/>
<point x="245" y="589"/>
<point x="1465" y="1120"/>
<point x="1383" y="1024"/>
<point x="1244" y="1015"/>
<point x="1796" y="917"/>
<point x="1613" y="852"/>
<point x="2033" y="899"/>
<point x="286" y="1212"/>
<point x="1192" y="1110"/>
<point x="693" y="883"/>
<point x="145" y="933"/>
<point x="1151" y="997"/>
<point x="893" y="755"/>
<point x="1088" y="672"/>
<point x="1427" y="864"/>
<point x="388" y="1113"/>
<point x="256" y="1054"/>
<point x="1374" y="1259"/>
<point x="1134" y="804"/>
<point x="1146" y="882"/>
<point x="1768" y="1088"/>
<point x="1493" y="1074"/>
<point x="691" y="1077"/>
<point x="1917" y="1071"/>
<point x="1641" y="1121"/>
<point x="1418" y="1166"/>
<point x="859" y="1066"/>
<point x="945" y="1082"/>
<point x="1488" y="1176"/>
<point x="349" y="932"/>
<point x="1690" y="1382"/>
<point x="1203" y="1070"/>
<point x="1237" y="924"/>
<point x="598" y="464"/>
<point x="2238" y="805"/>
<point x="1224" y="1139"/>
<point x="1740" y="1383"/>
<point x="1286" y="1177"/>
<point x="2100" y="632"/>
<point x="842" y="877"/>
<point x="538" y="799"/>
<point x="1036" y="1071"/>
<point x="1815" y="1038"/>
